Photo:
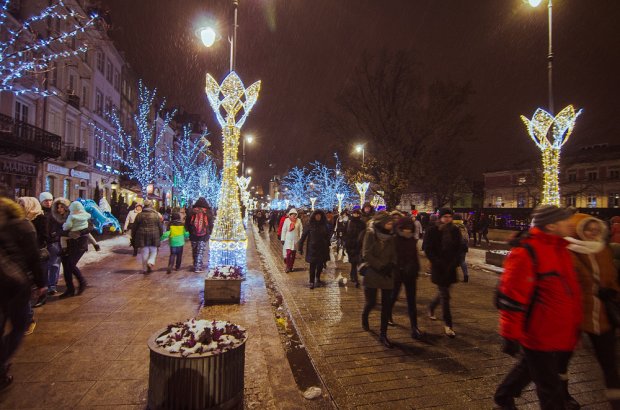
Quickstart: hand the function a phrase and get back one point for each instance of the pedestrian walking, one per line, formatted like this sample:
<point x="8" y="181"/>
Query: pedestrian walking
<point x="260" y="221"/>
<point x="354" y="237"/>
<point x="406" y="272"/>
<point x="129" y="223"/>
<point x="199" y="224"/>
<point x="176" y="236"/>
<point x="443" y="247"/>
<point x="483" y="229"/>
<point x="317" y="252"/>
<point x="368" y="212"/>
<point x="53" y="244"/>
<point x="20" y="273"/>
<point x="539" y="298"/>
<point x="76" y="225"/>
<point x="459" y="223"/>
<point x="377" y="267"/>
<point x="34" y="214"/>
<point x="146" y="233"/>
<point x="340" y="231"/>
<point x="291" y="234"/>
<point x="273" y="220"/>
<point x="598" y="277"/>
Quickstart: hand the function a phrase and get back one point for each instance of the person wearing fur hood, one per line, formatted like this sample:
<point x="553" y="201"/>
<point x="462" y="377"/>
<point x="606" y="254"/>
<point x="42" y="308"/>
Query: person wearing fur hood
<point x="593" y="261"/>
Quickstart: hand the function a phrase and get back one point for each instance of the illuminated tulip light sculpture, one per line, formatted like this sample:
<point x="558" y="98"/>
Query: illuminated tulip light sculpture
<point x="362" y="187"/>
<point x="561" y="128"/>
<point x="228" y="242"/>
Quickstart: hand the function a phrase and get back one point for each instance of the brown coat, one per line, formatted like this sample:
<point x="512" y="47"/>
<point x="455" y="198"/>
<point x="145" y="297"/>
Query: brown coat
<point x="594" y="270"/>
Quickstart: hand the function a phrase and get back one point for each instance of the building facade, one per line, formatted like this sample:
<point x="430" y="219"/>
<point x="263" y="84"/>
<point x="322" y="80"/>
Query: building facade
<point x="589" y="178"/>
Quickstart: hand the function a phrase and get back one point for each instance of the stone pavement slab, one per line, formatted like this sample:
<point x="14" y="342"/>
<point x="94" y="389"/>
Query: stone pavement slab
<point x="459" y="373"/>
<point x="90" y="351"/>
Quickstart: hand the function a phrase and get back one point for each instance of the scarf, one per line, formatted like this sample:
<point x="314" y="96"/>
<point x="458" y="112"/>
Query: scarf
<point x="32" y="207"/>
<point x="584" y="247"/>
<point x="291" y="226"/>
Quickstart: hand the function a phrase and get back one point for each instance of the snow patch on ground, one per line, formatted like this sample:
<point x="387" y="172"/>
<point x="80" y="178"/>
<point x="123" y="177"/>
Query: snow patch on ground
<point x="107" y="249"/>
<point x="477" y="258"/>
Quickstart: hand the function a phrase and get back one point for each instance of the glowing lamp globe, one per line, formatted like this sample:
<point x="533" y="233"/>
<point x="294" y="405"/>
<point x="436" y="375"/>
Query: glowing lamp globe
<point x="207" y="36"/>
<point x="534" y="3"/>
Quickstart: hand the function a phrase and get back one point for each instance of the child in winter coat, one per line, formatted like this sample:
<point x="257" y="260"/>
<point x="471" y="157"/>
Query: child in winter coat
<point x="177" y="235"/>
<point x="76" y="225"/>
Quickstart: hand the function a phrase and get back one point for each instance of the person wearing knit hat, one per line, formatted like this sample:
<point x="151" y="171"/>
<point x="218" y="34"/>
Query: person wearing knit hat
<point x="548" y="214"/>
<point x="539" y="299"/>
<point x="291" y="232"/>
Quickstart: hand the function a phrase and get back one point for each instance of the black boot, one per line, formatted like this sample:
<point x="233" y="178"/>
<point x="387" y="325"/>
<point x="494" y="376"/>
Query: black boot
<point x="385" y="341"/>
<point x="569" y="401"/>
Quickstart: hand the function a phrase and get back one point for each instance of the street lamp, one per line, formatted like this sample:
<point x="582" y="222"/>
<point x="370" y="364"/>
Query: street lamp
<point x="207" y="36"/>
<point x="249" y="139"/>
<point x="544" y="123"/>
<point x="248" y="171"/>
<point x="361" y="149"/>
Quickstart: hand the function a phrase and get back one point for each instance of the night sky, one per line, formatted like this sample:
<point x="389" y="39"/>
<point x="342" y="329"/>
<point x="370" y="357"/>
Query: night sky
<point x="304" y="51"/>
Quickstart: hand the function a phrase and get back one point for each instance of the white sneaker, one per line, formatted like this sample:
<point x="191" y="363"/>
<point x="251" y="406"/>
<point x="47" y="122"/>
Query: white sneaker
<point x="449" y="331"/>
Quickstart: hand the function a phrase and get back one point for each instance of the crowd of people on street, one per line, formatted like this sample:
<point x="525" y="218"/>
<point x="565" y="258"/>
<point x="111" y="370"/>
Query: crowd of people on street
<point x="560" y="280"/>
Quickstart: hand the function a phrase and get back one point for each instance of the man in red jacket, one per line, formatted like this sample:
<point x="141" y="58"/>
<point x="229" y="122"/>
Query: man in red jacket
<point x="539" y="299"/>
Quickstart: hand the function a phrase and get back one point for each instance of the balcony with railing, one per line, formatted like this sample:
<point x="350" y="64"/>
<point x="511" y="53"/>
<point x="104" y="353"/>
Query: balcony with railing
<point x="18" y="137"/>
<point x="72" y="153"/>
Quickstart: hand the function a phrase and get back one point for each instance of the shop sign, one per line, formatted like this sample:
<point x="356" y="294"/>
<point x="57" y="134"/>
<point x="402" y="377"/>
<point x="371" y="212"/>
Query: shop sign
<point x="17" y="167"/>
<point x="57" y="169"/>
<point x="80" y="174"/>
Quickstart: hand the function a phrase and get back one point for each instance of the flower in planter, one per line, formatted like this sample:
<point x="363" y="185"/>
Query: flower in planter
<point x="225" y="272"/>
<point x="201" y="337"/>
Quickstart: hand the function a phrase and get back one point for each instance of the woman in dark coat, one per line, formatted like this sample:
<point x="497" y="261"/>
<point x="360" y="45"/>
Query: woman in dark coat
<point x="146" y="233"/>
<point x="317" y="253"/>
<point x="34" y="213"/>
<point x="407" y="267"/>
<point x="378" y="265"/>
<point x="353" y="242"/>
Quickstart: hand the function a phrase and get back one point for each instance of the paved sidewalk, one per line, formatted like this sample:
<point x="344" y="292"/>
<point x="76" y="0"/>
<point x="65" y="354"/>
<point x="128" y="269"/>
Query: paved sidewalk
<point x="90" y="351"/>
<point x="459" y="373"/>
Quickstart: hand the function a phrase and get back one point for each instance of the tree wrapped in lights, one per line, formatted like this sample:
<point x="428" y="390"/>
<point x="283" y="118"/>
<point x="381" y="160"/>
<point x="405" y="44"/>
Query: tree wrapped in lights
<point x="561" y="128"/>
<point x="328" y="183"/>
<point x="295" y="184"/>
<point x="138" y="154"/>
<point x="27" y="53"/>
<point x="210" y="181"/>
<point x="228" y="240"/>
<point x="185" y="161"/>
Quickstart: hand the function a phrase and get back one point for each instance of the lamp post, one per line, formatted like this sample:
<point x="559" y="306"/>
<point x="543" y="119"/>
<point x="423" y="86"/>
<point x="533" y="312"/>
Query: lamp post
<point x="361" y="149"/>
<point x="544" y="123"/>
<point x="249" y="140"/>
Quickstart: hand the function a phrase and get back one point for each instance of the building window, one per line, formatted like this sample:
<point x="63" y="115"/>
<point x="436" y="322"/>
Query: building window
<point x="614" y="200"/>
<point x="521" y="200"/>
<point x="108" y="71"/>
<point x="49" y="184"/>
<point x="100" y="61"/>
<point x="66" y="188"/>
<point x="21" y="111"/>
<point x="71" y="85"/>
<point x="54" y="75"/>
<point x="117" y="80"/>
<point x="98" y="102"/>
<point x="592" y="175"/>
<point x="591" y="200"/>
<point x="572" y="177"/>
<point x="108" y="108"/>
<point x="571" y="200"/>
<point x="85" y="96"/>
<point x="498" y="202"/>
<point x="614" y="174"/>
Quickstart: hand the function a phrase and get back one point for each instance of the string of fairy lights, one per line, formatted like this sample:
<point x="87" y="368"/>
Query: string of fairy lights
<point x="25" y="54"/>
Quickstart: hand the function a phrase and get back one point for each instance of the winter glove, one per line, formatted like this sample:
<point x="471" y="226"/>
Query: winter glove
<point x="510" y="347"/>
